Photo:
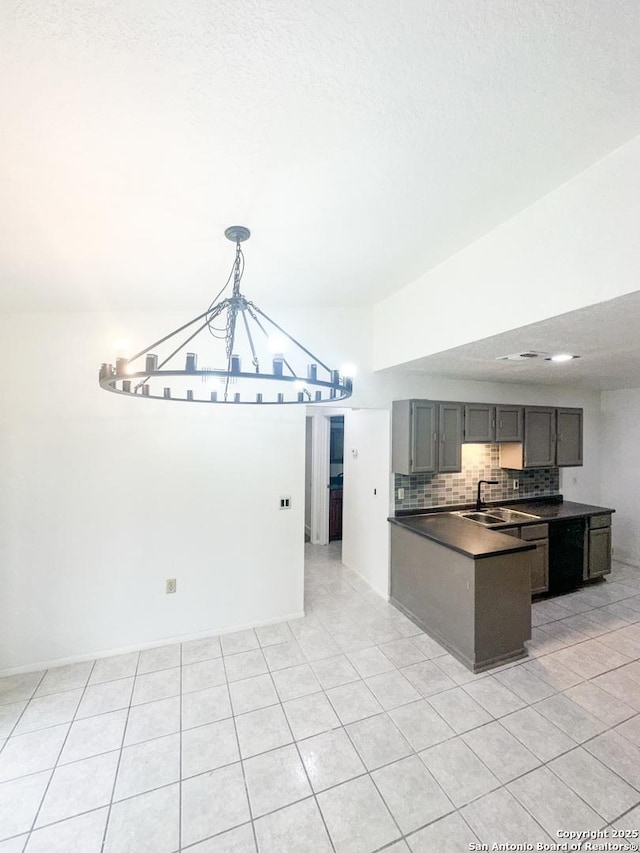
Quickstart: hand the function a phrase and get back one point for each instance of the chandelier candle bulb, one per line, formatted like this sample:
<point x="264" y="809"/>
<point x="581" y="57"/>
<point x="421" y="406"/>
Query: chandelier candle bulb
<point x="121" y="366"/>
<point x="190" y="395"/>
<point x="214" y="396"/>
<point x="151" y="363"/>
<point x="281" y="398"/>
<point x="236" y="398"/>
<point x="145" y="390"/>
<point x="312" y="372"/>
<point x="235" y="364"/>
<point x="191" y="362"/>
<point x="278" y="362"/>
<point x="126" y="386"/>
<point x="318" y="396"/>
<point x="258" y="398"/>
<point x="167" y="393"/>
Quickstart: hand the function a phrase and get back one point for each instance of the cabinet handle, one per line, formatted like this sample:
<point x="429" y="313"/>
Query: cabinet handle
<point x="493" y="424"/>
<point x="435" y="436"/>
<point x="500" y="424"/>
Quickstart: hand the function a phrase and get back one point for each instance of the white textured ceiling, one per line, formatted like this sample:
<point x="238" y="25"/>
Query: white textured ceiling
<point x="362" y="141"/>
<point x="605" y="336"/>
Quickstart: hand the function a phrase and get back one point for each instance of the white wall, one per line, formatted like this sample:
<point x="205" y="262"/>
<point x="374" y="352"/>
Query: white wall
<point x="365" y="537"/>
<point x="105" y="498"/>
<point x="620" y="467"/>
<point x="575" y="247"/>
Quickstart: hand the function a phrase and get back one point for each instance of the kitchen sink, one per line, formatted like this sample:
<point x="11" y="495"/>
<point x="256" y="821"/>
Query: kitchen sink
<point x="511" y="514"/>
<point x="481" y="517"/>
<point x="497" y="515"/>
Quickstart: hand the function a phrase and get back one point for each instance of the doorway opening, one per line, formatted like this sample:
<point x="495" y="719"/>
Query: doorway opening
<point x="336" y="472"/>
<point x="324" y="470"/>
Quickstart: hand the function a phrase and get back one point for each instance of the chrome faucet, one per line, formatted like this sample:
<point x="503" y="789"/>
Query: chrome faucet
<point x="488" y="483"/>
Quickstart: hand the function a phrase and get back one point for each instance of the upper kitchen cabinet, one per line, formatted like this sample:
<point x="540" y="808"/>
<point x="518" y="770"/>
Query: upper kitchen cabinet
<point x="426" y="437"/>
<point x="479" y="423"/>
<point x="552" y="438"/>
<point x="449" y="437"/>
<point x="539" y="437"/>
<point x="486" y="424"/>
<point x="509" y="423"/>
<point x="413" y="436"/>
<point x="569" y="437"/>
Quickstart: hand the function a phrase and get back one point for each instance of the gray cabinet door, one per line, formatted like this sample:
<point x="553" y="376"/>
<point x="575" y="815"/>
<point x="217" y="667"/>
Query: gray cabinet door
<point x="599" y="552"/>
<point x="450" y="435"/>
<point x="539" y="437"/>
<point x="509" y="423"/>
<point x="540" y="567"/>
<point x="479" y="423"/>
<point x="569" y="437"/>
<point x="423" y="436"/>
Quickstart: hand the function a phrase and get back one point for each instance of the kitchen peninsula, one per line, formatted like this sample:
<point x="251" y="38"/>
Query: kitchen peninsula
<point x="469" y="585"/>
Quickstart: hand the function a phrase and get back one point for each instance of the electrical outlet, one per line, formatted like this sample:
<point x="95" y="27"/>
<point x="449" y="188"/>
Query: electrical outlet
<point x="516" y="485"/>
<point x="285" y="502"/>
<point x="171" y="586"/>
<point x="400" y="494"/>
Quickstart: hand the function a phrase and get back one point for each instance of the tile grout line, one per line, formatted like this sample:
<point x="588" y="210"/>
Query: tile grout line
<point x="115" y="778"/>
<point x="244" y="775"/>
<point x="21" y="714"/>
<point x="61" y="750"/>
<point x="304" y="767"/>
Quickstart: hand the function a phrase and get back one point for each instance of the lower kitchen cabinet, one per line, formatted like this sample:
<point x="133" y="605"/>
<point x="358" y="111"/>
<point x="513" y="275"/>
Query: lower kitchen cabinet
<point x="563" y="547"/>
<point x="538" y="533"/>
<point x="598" y="560"/>
<point x="540" y="569"/>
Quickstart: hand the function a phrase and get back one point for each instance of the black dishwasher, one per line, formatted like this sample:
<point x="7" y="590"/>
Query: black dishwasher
<point x="566" y="555"/>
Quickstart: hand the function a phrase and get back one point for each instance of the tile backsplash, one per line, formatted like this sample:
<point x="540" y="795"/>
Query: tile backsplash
<point x="479" y="462"/>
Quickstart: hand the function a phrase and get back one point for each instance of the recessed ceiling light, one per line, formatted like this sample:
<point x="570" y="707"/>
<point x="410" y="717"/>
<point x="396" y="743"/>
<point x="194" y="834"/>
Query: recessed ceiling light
<point x="562" y="356"/>
<point x="522" y="356"/>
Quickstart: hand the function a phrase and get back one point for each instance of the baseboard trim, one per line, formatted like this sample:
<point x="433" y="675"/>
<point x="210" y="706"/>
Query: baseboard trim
<point x="383" y="596"/>
<point x="140" y="647"/>
<point x="626" y="557"/>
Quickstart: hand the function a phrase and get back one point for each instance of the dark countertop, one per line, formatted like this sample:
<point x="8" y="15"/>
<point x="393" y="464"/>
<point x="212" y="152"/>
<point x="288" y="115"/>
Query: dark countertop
<point x="462" y="535"/>
<point x="556" y="511"/>
<point x="472" y="539"/>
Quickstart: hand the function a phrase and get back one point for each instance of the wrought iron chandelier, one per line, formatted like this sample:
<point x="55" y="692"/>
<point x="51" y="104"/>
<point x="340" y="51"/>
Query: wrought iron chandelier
<point x="235" y="329"/>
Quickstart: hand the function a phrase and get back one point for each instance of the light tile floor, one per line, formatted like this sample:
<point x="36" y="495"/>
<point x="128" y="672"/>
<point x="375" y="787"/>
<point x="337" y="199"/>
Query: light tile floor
<point x="347" y="731"/>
